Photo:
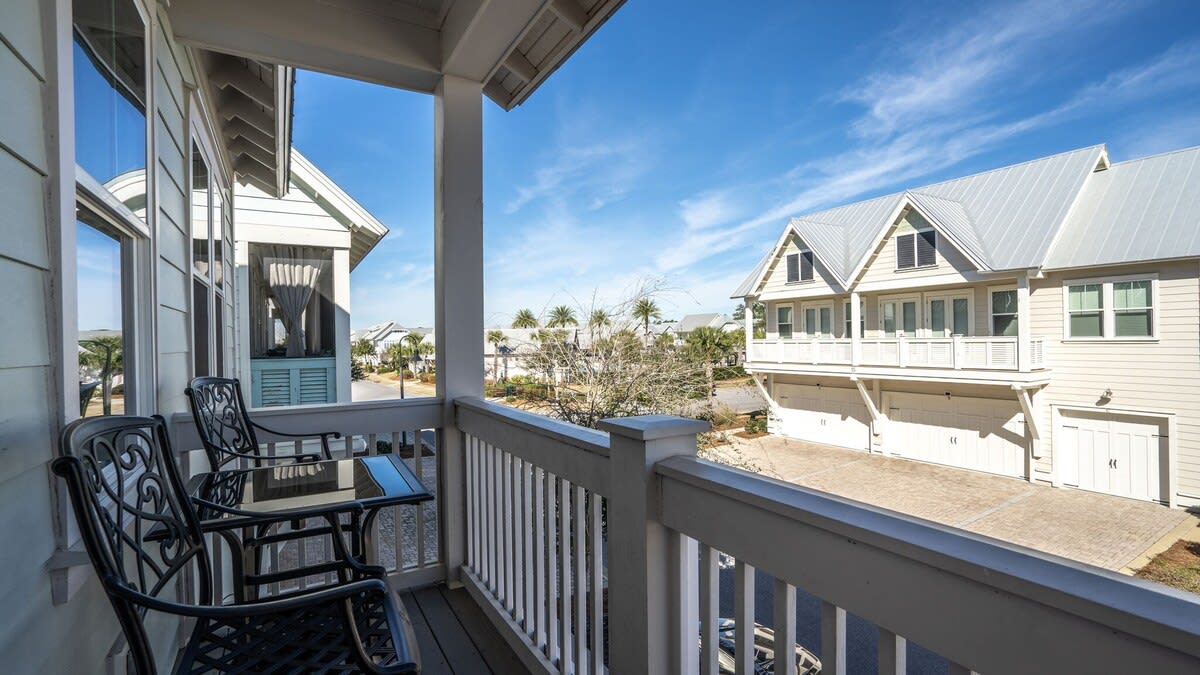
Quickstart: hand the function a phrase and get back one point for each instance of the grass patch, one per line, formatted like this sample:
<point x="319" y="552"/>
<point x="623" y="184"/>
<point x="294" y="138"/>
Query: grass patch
<point x="1178" y="566"/>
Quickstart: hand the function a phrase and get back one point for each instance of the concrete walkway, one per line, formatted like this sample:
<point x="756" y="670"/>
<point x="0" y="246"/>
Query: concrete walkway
<point x="1098" y="529"/>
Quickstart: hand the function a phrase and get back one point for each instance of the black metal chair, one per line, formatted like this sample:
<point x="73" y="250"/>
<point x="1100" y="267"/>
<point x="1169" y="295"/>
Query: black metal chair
<point x="124" y="485"/>
<point x="228" y="433"/>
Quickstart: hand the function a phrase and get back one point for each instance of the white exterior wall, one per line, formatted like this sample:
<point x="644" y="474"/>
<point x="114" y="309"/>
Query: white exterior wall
<point x="1161" y="376"/>
<point x="776" y="284"/>
<point x="880" y="273"/>
<point x="73" y="637"/>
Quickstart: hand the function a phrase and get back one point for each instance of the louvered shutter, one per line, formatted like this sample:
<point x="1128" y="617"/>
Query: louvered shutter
<point x="793" y="267"/>
<point x="926" y="248"/>
<point x="905" y="257"/>
<point x="806" y="266"/>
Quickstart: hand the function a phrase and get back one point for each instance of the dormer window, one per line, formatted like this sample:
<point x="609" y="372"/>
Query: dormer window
<point x="800" y="266"/>
<point x="916" y="249"/>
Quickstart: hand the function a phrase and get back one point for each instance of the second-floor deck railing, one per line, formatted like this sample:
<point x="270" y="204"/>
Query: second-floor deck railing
<point x="972" y="353"/>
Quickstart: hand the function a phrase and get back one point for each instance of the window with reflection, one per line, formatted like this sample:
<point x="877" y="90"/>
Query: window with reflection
<point x="109" y="54"/>
<point x="104" y="280"/>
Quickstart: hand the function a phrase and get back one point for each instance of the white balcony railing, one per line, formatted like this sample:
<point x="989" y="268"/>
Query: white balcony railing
<point x="974" y="353"/>
<point x="597" y="552"/>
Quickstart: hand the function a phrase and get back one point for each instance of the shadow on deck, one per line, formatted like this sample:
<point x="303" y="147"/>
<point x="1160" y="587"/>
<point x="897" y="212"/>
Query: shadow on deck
<point x="455" y="637"/>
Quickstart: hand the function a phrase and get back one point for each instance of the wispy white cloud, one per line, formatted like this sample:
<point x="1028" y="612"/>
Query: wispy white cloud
<point x="594" y="174"/>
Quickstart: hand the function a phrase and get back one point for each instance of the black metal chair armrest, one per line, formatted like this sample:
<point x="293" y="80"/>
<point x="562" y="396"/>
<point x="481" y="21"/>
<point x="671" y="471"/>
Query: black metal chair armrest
<point x="323" y="435"/>
<point x="249" y="518"/>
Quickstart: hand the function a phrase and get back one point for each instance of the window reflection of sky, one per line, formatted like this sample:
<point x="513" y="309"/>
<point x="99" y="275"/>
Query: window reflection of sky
<point x="110" y="132"/>
<point x="99" y="270"/>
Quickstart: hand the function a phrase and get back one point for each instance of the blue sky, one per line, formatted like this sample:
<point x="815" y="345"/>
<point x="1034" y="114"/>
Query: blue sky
<point x="676" y="143"/>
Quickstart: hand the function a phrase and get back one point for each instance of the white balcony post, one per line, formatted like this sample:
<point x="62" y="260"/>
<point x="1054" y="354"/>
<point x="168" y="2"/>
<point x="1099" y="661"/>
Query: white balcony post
<point x="901" y="347"/>
<point x="341" y="322"/>
<point x="1024" y="344"/>
<point x="458" y="288"/>
<point x="749" y="319"/>
<point x="956" y="350"/>
<point x="644" y="625"/>
<point x="855" y="322"/>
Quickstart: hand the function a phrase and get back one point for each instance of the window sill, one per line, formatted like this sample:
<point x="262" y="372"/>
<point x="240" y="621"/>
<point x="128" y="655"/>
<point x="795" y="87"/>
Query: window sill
<point x="919" y="268"/>
<point x="799" y="283"/>
<point x="1112" y="340"/>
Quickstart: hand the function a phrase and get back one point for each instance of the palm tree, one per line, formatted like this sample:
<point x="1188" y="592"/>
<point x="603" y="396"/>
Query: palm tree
<point x="646" y="309"/>
<point x="524" y="319"/>
<point x="397" y="356"/>
<point x="598" y="319"/>
<point x="496" y="338"/>
<point x="561" y="317"/>
<point x="708" y="345"/>
<point x="107" y="354"/>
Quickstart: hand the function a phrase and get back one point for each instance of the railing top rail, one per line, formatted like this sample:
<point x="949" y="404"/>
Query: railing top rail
<point x="1157" y="614"/>
<point x="564" y="432"/>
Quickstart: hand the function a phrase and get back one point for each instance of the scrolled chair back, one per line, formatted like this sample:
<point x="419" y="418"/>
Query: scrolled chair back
<point x="222" y="422"/>
<point x="134" y="516"/>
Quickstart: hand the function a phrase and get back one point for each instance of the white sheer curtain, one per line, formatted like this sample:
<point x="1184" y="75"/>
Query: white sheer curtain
<point x="293" y="281"/>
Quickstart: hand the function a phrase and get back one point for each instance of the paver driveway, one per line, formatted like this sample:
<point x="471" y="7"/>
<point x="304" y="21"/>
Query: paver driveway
<point x="1102" y="530"/>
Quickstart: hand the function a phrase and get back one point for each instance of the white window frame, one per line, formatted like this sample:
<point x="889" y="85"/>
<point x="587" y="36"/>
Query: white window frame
<point x="200" y="136"/>
<point x="1109" y="308"/>
<point x="949" y="297"/>
<point x="914" y="233"/>
<point x="991" y="324"/>
<point x="847" y="331"/>
<point x="791" y="308"/>
<point x="900" y="300"/>
<point x="817" y="307"/>
<point x="74" y="186"/>
<point x="800" y="252"/>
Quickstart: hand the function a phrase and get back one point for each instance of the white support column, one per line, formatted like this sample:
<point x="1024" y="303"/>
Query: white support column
<point x="893" y="653"/>
<point x="341" y="322"/>
<point x="855" y="322"/>
<point x="1024" y="345"/>
<point x="643" y="624"/>
<point x="458" y="288"/>
<point x="833" y="639"/>
<point x="749" y="319"/>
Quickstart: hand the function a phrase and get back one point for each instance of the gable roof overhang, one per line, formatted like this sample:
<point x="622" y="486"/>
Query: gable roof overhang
<point x="510" y="47"/>
<point x="366" y="231"/>
<point x="947" y="217"/>
<point x="753" y="284"/>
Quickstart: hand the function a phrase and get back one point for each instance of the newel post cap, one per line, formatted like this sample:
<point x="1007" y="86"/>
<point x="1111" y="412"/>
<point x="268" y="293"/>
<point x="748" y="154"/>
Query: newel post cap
<point x="653" y="427"/>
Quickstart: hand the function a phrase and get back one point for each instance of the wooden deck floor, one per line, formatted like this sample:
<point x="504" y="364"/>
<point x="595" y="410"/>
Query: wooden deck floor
<point x="455" y="637"/>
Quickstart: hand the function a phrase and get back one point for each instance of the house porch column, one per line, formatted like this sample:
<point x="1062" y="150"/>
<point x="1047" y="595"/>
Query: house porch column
<point x="458" y="289"/>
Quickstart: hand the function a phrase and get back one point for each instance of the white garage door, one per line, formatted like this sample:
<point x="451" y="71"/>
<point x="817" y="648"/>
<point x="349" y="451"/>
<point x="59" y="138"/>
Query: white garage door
<point x="830" y="415"/>
<point x="1105" y="452"/>
<point x="972" y="433"/>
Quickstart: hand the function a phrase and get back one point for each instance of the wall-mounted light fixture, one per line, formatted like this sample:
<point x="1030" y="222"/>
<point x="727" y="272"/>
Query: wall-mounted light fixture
<point x="947" y="396"/>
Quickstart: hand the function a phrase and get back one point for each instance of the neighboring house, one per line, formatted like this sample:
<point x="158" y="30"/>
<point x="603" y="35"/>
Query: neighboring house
<point x="305" y="243"/>
<point x="509" y="358"/>
<point x="691" y="322"/>
<point x="386" y="334"/>
<point x="1040" y="321"/>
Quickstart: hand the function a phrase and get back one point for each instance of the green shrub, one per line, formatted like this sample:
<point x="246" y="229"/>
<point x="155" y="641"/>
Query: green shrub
<point x="756" y="425"/>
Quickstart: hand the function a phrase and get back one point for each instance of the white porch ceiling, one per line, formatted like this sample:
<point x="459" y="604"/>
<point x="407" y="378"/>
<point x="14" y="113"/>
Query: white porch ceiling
<point x="511" y="46"/>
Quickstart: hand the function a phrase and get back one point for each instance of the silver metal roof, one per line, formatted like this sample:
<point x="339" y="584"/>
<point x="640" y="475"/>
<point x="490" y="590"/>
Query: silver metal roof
<point x="1006" y="218"/>
<point x="1143" y="209"/>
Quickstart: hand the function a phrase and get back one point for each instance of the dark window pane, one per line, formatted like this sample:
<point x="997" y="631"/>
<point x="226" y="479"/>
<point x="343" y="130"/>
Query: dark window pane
<point x="219" y="335"/>
<point x="826" y="321"/>
<point x="926" y="248"/>
<point x="110" y="97"/>
<point x="201" y="213"/>
<point x="1005" y="324"/>
<point x="937" y="317"/>
<point x="1134" y="323"/>
<point x="793" y="267"/>
<point x="1004" y="302"/>
<point x="101" y="316"/>
<point x="1087" y="324"/>
<point x="910" y="318"/>
<point x="200" y="332"/>
<point x="960" y="316"/>
<point x="904" y="251"/>
<point x="806" y="266"/>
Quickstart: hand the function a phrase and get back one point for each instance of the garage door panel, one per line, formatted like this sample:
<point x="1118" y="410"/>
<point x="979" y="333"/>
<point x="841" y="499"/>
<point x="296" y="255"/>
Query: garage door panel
<point x="829" y="415"/>
<point x="1114" y="453"/>
<point x="980" y="434"/>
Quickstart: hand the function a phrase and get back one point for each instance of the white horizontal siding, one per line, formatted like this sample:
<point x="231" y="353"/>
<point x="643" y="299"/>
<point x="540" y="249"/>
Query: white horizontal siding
<point x="776" y="279"/>
<point x="952" y="266"/>
<point x="22" y="220"/>
<point x="22" y="131"/>
<point x="1160" y="376"/>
